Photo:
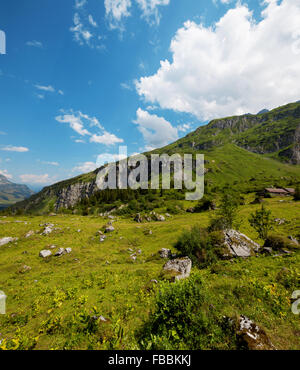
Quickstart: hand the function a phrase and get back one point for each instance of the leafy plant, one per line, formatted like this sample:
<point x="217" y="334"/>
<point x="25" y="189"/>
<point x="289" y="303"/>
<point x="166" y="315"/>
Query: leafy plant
<point x="262" y="221"/>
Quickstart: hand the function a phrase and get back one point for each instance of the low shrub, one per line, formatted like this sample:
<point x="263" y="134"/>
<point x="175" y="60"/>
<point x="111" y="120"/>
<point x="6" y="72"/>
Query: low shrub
<point x="183" y="319"/>
<point x="201" y="246"/>
<point x="205" y="204"/>
<point x="279" y="242"/>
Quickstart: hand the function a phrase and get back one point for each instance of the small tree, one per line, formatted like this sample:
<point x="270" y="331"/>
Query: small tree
<point x="262" y="221"/>
<point x="297" y="193"/>
<point x="227" y="213"/>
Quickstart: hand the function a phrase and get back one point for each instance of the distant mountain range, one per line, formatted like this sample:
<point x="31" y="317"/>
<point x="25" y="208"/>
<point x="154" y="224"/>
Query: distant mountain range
<point x="248" y="151"/>
<point x="11" y="193"/>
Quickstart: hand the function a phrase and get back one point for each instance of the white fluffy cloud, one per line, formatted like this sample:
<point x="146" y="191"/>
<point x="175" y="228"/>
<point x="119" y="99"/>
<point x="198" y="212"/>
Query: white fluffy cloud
<point x="117" y="10"/>
<point x="75" y="123"/>
<point x="150" y="11"/>
<point x="11" y="148"/>
<point x="78" y="122"/>
<point x="156" y="131"/>
<point x="235" y="67"/>
<point x="81" y="33"/>
<point x="109" y="158"/>
<point x="106" y="138"/>
<point x="85" y="167"/>
<point x="36" y="179"/>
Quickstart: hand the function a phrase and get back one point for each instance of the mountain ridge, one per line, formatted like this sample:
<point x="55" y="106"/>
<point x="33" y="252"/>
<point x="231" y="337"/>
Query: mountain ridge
<point x="253" y="150"/>
<point x="11" y="193"/>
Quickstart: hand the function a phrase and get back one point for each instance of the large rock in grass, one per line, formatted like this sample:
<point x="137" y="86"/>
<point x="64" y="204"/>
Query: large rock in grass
<point x="7" y="240"/>
<point x="239" y="245"/>
<point x="180" y="268"/>
<point x="45" y="253"/>
<point x="109" y="229"/>
<point x="249" y="335"/>
<point x="165" y="253"/>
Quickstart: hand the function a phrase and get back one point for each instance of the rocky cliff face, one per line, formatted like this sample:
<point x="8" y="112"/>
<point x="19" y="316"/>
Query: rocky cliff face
<point x="69" y="196"/>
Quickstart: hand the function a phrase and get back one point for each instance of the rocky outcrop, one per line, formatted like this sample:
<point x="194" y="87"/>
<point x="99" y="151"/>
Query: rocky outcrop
<point x="7" y="240"/>
<point x="45" y="253"/>
<point x="165" y="253"/>
<point x="179" y="267"/>
<point x="72" y="194"/>
<point x="249" y="335"/>
<point x="239" y="245"/>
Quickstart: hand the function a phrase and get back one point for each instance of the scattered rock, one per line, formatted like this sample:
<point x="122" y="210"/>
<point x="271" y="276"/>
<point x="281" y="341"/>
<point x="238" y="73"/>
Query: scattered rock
<point x="280" y="221"/>
<point x="191" y="210"/>
<point x="7" y="240"/>
<point x="68" y="250"/>
<point x="139" y="251"/>
<point x="102" y="238"/>
<point x="165" y="253"/>
<point x="109" y="229"/>
<point x="52" y="247"/>
<point x="45" y="253"/>
<point x="168" y="215"/>
<point x="133" y="257"/>
<point x="47" y="230"/>
<point x="180" y="266"/>
<point x="239" y="245"/>
<point x="250" y="336"/>
<point x="154" y="281"/>
<point x="138" y="218"/>
<point x="24" y="269"/>
<point x="79" y="231"/>
<point x="60" y="252"/>
<point x="30" y="233"/>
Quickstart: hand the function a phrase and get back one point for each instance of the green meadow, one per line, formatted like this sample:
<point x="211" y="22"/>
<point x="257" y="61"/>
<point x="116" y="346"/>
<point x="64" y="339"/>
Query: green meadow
<point x="56" y="304"/>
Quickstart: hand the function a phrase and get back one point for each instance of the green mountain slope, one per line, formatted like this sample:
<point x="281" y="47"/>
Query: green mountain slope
<point x="11" y="193"/>
<point x="246" y="152"/>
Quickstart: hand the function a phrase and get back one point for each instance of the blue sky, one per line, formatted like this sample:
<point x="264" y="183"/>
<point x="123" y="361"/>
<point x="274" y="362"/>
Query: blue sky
<point x="79" y="78"/>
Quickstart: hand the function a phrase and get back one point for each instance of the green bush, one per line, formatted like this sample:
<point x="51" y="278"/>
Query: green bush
<point x="183" y="319"/>
<point x="297" y="193"/>
<point x="227" y="214"/>
<point x="262" y="221"/>
<point x="201" y="246"/>
<point x="279" y="242"/>
<point x="205" y="204"/>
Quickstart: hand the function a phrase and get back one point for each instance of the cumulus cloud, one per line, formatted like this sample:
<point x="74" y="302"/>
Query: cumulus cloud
<point x="156" y="131"/>
<point x="78" y="122"/>
<point x="11" y="148"/>
<point x="6" y="174"/>
<point x="106" y="138"/>
<point x="80" y="3"/>
<point x="75" y="123"/>
<point x="109" y="158"/>
<point x="85" y="167"/>
<point x="150" y="11"/>
<point x="84" y="27"/>
<point x="117" y="10"/>
<point x="81" y="34"/>
<point x="234" y="67"/>
<point x="36" y="179"/>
